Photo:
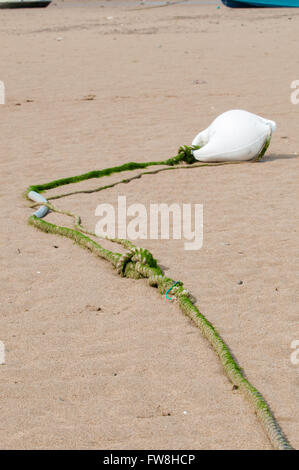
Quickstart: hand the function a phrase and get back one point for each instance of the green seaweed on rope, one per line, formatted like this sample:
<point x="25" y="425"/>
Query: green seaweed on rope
<point x="184" y="154"/>
<point x="139" y="263"/>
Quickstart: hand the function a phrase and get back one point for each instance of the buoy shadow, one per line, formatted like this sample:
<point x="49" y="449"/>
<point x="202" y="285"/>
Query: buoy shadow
<point x="275" y="156"/>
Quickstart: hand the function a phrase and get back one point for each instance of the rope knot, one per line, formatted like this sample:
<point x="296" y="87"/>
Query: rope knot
<point x="135" y="254"/>
<point x="186" y="153"/>
<point x="144" y="257"/>
<point x="122" y="262"/>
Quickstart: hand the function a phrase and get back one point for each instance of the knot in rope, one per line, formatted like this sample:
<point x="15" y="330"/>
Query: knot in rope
<point x="144" y="257"/>
<point x="122" y="262"/>
<point x="135" y="255"/>
<point x="186" y="153"/>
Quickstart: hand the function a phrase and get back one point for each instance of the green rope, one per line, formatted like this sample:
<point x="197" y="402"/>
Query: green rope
<point x="139" y="263"/>
<point x="184" y="154"/>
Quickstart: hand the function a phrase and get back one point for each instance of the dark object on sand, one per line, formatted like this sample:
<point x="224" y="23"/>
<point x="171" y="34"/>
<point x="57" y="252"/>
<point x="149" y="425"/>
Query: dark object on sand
<point x="24" y="3"/>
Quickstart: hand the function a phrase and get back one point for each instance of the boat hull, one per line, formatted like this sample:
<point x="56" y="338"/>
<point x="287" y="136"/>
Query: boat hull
<point x="24" y="3"/>
<point x="261" y="3"/>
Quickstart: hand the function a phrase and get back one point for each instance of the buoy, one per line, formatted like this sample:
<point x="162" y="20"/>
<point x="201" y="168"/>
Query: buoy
<point x="235" y="135"/>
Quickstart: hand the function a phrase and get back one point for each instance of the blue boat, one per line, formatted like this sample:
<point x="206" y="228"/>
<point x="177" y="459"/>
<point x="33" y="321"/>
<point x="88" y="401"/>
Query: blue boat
<point x="261" y="3"/>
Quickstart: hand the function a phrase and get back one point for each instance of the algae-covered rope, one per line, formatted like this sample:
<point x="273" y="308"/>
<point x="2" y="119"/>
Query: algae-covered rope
<point x="139" y="263"/>
<point x="184" y="154"/>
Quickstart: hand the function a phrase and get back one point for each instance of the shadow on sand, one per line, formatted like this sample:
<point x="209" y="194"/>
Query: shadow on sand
<point x="275" y="156"/>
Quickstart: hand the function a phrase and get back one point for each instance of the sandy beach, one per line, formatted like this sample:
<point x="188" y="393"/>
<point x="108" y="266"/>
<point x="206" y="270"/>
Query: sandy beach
<point x="96" y="361"/>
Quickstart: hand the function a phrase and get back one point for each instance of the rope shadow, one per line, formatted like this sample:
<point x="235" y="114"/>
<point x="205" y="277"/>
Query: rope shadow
<point x="274" y="156"/>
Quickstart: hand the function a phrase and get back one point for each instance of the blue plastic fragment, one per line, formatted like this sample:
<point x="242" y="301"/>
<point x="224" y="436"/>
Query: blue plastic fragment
<point x="36" y="197"/>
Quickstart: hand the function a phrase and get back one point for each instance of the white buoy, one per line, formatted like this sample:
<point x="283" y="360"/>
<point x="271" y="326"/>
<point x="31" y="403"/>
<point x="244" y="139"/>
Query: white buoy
<point x="233" y="136"/>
